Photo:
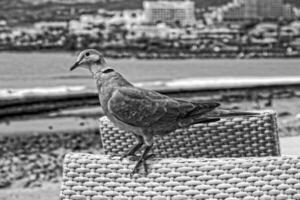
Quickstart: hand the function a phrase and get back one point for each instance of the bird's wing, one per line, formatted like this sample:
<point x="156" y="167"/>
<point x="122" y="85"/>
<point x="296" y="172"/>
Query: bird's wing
<point x="142" y="108"/>
<point x="200" y="108"/>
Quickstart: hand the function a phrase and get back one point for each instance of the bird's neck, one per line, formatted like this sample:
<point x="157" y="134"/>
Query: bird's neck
<point x="98" y="68"/>
<point x="108" y="77"/>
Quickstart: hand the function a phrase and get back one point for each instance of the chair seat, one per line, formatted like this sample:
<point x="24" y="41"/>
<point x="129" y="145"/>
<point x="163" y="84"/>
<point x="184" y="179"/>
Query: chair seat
<point x="100" y="177"/>
<point x="230" y="137"/>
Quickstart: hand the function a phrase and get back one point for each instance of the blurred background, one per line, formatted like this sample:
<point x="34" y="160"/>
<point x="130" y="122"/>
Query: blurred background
<point x="242" y="53"/>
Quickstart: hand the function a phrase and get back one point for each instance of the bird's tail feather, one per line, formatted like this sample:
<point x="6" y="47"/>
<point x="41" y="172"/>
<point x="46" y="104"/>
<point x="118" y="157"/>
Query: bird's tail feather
<point x="219" y="113"/>
<point x="213" y="116"/>
<point x="196" y="120"/>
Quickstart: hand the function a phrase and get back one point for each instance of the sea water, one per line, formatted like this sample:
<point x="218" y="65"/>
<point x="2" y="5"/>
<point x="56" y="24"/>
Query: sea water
<point x="49" y="69"/>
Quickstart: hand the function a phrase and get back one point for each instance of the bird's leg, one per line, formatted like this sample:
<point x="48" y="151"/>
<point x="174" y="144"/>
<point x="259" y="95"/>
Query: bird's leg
<point x="142" y="160"/>
<point x="135" y="148"/>
<point x="145" y="164"/>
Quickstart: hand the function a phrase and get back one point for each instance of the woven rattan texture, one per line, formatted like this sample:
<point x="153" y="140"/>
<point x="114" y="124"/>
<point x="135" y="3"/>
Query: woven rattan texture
<point x="230" y="137"/>
<point x="98" y="177"/>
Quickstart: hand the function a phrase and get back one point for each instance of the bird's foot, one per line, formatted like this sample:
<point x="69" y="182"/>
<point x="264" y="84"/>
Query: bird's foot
<point x="150" y="156"/>
<point x="130" y="157"/>
<point x="133" y="158"/>
<point x="139" y="163"/>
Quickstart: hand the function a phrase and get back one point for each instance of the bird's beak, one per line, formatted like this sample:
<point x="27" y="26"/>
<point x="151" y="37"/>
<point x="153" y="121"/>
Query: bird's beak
<point x="74" y="66"/>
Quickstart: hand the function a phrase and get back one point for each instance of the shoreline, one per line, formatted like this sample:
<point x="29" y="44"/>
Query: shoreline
<point x="50" y="101"/>
<point x="169" y="55"/>
<point x="165" y="86"/>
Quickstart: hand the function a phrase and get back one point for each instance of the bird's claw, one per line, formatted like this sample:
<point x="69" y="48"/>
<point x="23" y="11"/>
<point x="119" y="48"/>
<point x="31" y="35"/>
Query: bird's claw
<point x="123" y="156"/>
<point x="137" y="167"/>
<point x="133" y="158"/>
<point x="130" y="157"/>
<point x="150" y="156"/>
<point x="138" y="164"/>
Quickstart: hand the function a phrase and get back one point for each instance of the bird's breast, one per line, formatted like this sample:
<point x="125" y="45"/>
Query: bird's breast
<point x="123" y="126"/>
<point x="105" y="94"/>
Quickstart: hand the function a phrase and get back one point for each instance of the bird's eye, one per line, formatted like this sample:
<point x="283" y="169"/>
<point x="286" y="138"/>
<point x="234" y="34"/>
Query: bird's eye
<point x="87" y="54"/>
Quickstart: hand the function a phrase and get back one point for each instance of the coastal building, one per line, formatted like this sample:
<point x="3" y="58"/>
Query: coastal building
<point x="170" y="12"/>
<point x="257" y="10"/>
<point x="91" y="19"/>
<point x="289" y="11"/>
<point x="127" y="17"/>
<point x="271" y="30"/>
<point x="39" y="2"/>
<point x="3" y="26"/>
<point x="158" y="31"/>
<point x="80" y="28"/>
<point x="50" y="25"/>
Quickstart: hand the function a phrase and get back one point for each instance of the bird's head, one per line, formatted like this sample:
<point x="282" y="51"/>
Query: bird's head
<point x="90" y="59"/>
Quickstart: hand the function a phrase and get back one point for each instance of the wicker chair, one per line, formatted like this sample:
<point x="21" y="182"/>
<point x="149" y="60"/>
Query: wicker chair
<point x="99" y="177"/>
<point x="180" y="170"/>
<point x="229" y="137"/>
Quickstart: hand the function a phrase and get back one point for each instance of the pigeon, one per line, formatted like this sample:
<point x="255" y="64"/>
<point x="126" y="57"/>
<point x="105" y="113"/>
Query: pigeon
<point x="142" y="112"/>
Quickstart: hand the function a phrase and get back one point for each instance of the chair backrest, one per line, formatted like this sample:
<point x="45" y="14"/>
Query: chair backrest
<point x="230" y="137"/>
<point x="98" y="177"/>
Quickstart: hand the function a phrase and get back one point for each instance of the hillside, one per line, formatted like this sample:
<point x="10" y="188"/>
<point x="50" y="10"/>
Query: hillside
<point x="18" y="12"/>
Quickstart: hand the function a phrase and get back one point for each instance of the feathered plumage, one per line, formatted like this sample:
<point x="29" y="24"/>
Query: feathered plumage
<point x="143" y="112"/>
